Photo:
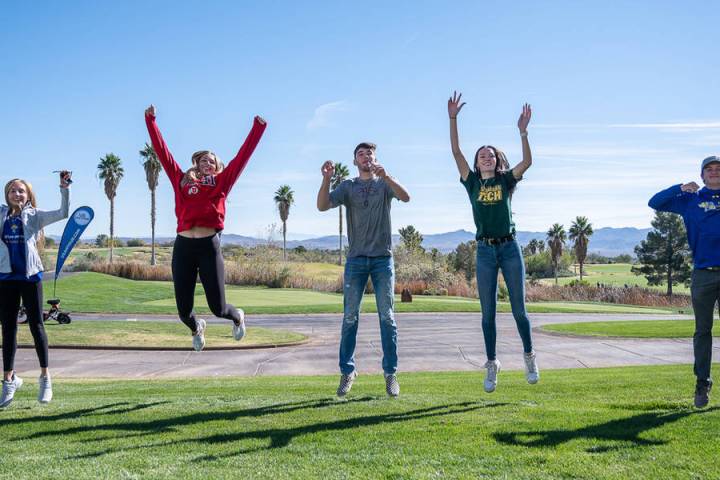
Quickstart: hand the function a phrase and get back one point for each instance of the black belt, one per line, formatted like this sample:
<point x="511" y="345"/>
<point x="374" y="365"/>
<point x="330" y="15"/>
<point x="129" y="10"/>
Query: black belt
<point x="498" y="240"/>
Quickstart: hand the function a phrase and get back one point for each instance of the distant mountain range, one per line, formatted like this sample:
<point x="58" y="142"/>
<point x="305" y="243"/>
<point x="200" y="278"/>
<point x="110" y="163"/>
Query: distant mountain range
<point x="605" y="241"/>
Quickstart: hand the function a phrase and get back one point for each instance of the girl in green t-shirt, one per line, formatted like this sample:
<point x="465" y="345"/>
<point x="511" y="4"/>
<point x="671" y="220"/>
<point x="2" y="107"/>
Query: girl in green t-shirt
<point x="490" y="185"/>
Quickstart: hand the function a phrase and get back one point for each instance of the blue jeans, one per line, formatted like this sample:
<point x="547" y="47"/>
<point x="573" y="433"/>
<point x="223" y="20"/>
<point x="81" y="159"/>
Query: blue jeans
<point x="382" y="272"/>
<point x="508" y="258"/>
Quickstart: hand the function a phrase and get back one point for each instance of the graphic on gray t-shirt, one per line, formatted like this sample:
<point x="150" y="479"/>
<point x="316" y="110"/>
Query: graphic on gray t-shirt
<point x="367" y="204"/>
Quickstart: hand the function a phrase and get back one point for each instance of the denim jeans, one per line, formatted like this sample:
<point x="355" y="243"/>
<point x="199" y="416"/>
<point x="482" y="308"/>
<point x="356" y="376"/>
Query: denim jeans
<point x="381" y="271"/>
<point x="508" y="258"/>
<point x="705" y="292"/>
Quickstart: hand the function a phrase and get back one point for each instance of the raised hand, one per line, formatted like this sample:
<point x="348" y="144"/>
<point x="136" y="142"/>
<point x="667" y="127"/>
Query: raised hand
<point x="378" y="170"/>
<point x="454" y="105"/>
<point x="260" y="119"/>
<point x="150" y="111"/>
<point x="328" y="169"/>
<point x="524" y="119"/>
<point x="691" y="187"/>
<point x="65" y="178"/>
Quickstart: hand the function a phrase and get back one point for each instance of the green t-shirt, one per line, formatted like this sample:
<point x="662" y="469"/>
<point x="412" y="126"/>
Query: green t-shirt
<point x="490" y="200"/>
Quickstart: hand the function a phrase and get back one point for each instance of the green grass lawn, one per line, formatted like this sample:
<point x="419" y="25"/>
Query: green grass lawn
<point x="617" y="274"/>
<point x="94" y="292"/>
<point x="152" y="334"/>
<point x="636" y="329"/>
<point x="639" y="424"/>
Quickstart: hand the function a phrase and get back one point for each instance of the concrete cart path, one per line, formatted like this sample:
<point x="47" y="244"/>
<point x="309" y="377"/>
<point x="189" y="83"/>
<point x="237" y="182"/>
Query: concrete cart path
<point x="427" y="342"/>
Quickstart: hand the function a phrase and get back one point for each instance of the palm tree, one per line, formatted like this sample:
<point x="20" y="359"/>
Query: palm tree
<point x="556" y="240"/>
<point x="580" y="232"/>
<point x="110" y="170"/>
<point x="152" y="167"/>
<point x="341" y="173"/>
<point x="283" y="199"/>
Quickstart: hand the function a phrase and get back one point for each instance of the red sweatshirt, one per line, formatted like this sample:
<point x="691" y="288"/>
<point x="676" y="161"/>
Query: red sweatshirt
<point x="202" y="203"/>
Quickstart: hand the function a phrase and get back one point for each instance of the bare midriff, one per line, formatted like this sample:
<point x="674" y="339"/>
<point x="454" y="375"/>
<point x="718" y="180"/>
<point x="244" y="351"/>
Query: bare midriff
<point x="198" y="232"/>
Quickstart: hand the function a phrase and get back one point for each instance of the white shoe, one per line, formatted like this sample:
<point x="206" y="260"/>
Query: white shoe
<point x="9" y="387"/>
<point x="45" y="393"/>
<point x="532" y="373"/>
<point x="199" y="337"/>
<point x="493" y="367"/>
<point x="239" y="329"/>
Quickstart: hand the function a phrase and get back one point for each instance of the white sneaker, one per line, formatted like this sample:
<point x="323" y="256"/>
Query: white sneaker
<point x="392" y="387"/>
<point x="8" y="390"/>
<point x="493" y="367"/>
<point x="45" y="393"/>
<point x="239" y="329"/>
<point x="532" y="373"/>
<point x="199" y="337"/>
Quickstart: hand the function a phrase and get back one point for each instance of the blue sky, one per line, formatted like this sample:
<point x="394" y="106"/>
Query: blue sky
<point x="625" y="100"/>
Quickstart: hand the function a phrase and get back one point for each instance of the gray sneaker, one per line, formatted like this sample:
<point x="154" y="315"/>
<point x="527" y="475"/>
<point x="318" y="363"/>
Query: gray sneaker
<point x="532" y="373"/>
<point x="702" y="393"/>
<point x="346" y="383"/>
<point x="392" y="387"/>
<point x="199" y="336"/>
<point x="9" y="387"/>
<point x="239" y="328"/>
<point x="45" y="393"/>
<point x="493" y="367"/>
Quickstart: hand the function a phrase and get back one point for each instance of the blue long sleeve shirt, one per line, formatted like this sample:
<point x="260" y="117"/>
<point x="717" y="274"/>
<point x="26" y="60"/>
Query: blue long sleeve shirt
<point x="701" y="213"/>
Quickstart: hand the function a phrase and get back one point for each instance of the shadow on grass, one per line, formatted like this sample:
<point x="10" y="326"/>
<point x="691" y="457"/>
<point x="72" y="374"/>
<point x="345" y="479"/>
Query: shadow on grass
<point x="276" y="437"/>
<point x="621" y="430"/>
<point x="163" y="425"/>
<point x="110" y="409"/>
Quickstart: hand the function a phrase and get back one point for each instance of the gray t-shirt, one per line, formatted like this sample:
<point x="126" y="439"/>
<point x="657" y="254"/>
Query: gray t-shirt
<point x="367" y="204"/>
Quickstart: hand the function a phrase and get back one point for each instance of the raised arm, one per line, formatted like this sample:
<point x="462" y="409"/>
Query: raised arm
<point x="454" y="107"/>
<point x="523" y="122"/>
<point x="674" y="199"/>
<point x="323" y="198"/>
<point x="172" y="169"/>
<point x="227" y="178"/>
<point x="47" y="217"/>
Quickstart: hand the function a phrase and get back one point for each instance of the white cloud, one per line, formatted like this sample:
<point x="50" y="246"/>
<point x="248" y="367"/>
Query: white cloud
<point x="324" y="113"/>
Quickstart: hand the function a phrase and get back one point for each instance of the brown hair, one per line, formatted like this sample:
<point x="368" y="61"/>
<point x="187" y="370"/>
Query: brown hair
<point x="369" y="145"/>
<point x="193" y="174"/>
<point x="501" y="162"/>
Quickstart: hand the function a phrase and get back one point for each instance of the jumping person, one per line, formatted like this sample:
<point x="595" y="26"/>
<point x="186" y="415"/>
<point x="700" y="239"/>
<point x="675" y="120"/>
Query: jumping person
<point x="21" y="272"/>
<point x="490" y="186"/>
<point x="700" y="210"/>
<point x="200" y="194"/>
<point x="367" y="200"/>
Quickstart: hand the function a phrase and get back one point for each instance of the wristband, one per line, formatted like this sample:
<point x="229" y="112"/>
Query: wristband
<point x="523" y="134"/>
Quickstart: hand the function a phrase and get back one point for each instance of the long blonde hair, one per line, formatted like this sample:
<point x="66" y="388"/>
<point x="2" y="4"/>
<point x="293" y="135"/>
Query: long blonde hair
<point x="28" y="187"/>
<point x="193" y="173"/>
<point x="32" y="200"/>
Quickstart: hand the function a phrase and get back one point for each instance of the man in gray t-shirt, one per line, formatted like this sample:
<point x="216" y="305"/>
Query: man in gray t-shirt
<point x="367" y="202"/>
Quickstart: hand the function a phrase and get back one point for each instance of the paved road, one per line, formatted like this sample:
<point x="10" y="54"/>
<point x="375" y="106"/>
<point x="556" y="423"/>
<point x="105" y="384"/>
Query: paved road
<point x="427" y="342"/>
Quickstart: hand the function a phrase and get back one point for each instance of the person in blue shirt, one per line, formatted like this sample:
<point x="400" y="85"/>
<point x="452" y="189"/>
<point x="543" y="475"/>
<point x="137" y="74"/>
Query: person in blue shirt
<point x="700" y="210"/>
<point x="21" y="278"/>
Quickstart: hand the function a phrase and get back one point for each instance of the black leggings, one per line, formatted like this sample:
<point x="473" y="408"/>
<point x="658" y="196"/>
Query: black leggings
<point x="11" y="292"/>
<point x="203" y="255"/>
